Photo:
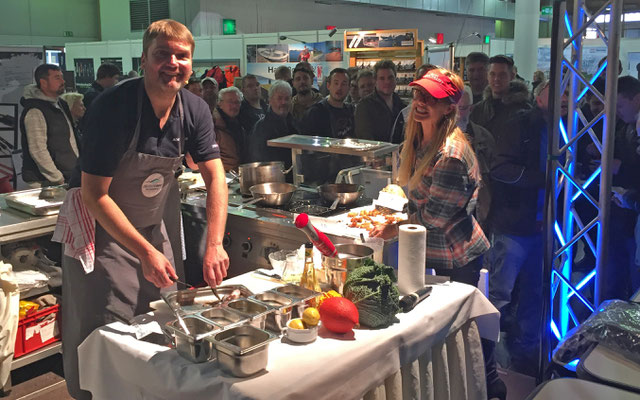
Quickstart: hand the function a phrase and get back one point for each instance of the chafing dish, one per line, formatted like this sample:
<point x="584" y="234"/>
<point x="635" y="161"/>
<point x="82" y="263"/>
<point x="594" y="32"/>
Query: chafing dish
<point x="30" y="201"/>
<point x="255" y="312"/>
<point x="242" y="350"/>
<point x="283" y="307"/>
<point x="189" y="301"/>
<point x="193" y="346"/>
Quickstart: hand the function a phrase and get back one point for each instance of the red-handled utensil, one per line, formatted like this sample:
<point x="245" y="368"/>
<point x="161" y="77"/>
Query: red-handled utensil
<point x="319" y="239"/>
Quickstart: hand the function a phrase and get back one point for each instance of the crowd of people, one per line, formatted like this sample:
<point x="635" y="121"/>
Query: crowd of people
<point x="473" y="159"/>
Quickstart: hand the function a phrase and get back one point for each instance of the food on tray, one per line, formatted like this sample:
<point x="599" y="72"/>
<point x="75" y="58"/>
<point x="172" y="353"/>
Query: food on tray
<point x="338" y="314"/>
<point x="297" y="324"/>
<point x="311" y="316"/>
<point x="395" y="190"/>
<point x="369" y="219"/>
<point x="373" y="290"/>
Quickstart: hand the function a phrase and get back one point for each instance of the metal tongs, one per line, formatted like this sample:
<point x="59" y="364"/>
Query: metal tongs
<point x="189" y="286"/>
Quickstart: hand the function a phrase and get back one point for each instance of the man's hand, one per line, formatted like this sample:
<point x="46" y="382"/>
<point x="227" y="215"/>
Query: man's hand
<point x="215" y="265"/>
<point x="157" y="269"/>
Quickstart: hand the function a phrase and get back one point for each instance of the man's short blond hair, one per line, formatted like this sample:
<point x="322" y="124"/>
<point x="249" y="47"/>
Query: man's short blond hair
<point x="170" y="29"/>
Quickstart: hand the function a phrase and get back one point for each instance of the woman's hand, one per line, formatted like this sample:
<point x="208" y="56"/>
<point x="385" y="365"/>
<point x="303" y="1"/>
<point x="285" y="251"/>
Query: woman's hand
<point x="385" y="231"/>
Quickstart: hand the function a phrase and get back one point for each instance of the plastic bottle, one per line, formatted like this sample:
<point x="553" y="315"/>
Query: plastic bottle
<point x="319" y="239"/>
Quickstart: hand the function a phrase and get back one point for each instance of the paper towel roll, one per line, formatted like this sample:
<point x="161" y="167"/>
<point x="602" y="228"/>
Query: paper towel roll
<point x="412" y="243"/>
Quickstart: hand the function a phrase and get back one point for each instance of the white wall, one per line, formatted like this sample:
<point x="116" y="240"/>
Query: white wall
<point x="259" y="16"/>
<point x="43" y="22"/>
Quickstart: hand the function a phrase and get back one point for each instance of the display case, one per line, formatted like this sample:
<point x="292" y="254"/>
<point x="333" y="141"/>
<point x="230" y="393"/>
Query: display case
<point x="401" y="46"/>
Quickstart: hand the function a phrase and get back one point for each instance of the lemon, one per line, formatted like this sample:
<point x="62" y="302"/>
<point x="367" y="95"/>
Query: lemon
<point x="297" y="324"/>
<point x="311" y="316"/>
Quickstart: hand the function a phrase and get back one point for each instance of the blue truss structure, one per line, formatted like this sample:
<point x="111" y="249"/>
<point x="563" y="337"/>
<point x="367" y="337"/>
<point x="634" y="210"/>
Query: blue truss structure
<point x="573" y="296"/>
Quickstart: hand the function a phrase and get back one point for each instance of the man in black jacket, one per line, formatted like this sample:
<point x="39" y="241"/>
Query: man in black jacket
<point x="376" y="113"/>
<point x="253" y="108"/>
<point x="518" y="174"/>
<point x="277" y="122"/>
<point x="107" y="76"/>
<point x="49" y="142"/>
<point x="503" y="98"/>
<point x="331" y="116"/>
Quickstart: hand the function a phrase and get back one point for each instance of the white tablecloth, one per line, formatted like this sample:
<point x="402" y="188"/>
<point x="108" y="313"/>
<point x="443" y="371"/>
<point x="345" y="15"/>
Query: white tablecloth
<point x="433" y="353"/>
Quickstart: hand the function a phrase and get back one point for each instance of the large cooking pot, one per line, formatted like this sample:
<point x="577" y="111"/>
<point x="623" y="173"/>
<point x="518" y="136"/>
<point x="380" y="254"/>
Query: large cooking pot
<point x="273" y="194"/>
<point x="350" y="257"/>
<point x="260" y="172"/>
<point x="344" y="193"/>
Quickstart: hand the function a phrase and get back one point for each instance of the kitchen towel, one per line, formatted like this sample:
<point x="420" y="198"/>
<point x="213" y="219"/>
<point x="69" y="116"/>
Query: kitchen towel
<point x="412" y="243"/>
<point x="76" y="229"/>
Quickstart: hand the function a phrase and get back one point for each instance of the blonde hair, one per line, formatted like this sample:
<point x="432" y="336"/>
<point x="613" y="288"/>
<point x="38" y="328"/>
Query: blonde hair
<point x="170" y="29"/>
<point x="446" y="130"/>
<point x="71" y="97"/>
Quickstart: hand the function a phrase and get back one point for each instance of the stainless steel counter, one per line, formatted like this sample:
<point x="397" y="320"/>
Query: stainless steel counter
<point x="16" y="225"/>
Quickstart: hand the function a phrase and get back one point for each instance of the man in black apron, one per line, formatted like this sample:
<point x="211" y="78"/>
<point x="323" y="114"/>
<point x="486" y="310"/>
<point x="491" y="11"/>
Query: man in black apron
<point x="137" y="133"/>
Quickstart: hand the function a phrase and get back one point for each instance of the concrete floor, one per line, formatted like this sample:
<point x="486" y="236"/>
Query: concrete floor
<point x="44" y="380"/>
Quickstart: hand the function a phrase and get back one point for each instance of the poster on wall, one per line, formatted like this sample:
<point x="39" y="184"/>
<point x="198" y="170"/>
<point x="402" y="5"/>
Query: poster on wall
<point x="262" y="60"/>
<point x="16" y="71"/>
<point x="634" y="63"/>
<point x="394" y="39"/>
<point x="84" y="71"/>
<point x="590" y="58"/>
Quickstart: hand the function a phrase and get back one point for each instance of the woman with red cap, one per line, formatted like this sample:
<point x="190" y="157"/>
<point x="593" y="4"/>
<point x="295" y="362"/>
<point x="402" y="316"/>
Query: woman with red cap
<point x="442" y="174"/>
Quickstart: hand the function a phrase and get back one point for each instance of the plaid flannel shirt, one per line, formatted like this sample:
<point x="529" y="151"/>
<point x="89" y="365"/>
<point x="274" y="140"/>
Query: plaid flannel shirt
<point x="443" y="202"/>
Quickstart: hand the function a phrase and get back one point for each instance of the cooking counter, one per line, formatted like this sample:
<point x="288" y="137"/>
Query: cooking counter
<point x="17" y="225"/>
<point x="252" y="232"/>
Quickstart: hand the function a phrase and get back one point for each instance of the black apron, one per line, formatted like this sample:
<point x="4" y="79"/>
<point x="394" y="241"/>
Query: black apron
<point x="140" y="187"/>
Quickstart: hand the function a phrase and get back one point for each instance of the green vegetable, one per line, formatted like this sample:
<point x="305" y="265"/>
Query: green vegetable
<point x="373" y="290"/>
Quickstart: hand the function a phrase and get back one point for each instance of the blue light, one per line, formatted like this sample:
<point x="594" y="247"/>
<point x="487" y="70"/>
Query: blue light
<point x="559" y="233"/>
<point x="593" y="79"/>
<point x="571" y="366"/>
<point x="584" y="281"/>
<point x="555" y="330"/>
<point x="568" y="24"/>
<point x="587" y="183"/>
<point x="563" y="132"/>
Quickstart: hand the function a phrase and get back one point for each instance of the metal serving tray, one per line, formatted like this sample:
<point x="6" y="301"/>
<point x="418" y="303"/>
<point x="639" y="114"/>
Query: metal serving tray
<point x="194" y="346"/>
<point x="30" y="202"/>
<point x="190" y="301"/>
<point x="254" y="311"/>
<point x="242" y="351"/>
<point x="223" y="316"/>
<point x="283" y="306"/>
<point x="300" y="296"/>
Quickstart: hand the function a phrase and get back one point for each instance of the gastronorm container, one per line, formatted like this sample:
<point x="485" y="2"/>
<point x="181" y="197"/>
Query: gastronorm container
<point x="223" y="316"/>
<point x="193" y="346"/>
<point x="189" y="301"/>
<point x="254" y="311"/>
<point x="302" y="297"/>
<point x="282" y="308"/>
<point x="242" y="350"/>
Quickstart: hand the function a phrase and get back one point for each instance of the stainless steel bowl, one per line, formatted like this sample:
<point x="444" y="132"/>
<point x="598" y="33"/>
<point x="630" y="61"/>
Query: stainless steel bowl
<point x="283" y="307"/>
<point x="350" y="256"/>
<point x="273" y="193"/>
<point x="194" y="346"/>
<point x="256" y="312"/>
<point x="345" y="193"/>
<point x="242" y="350"/>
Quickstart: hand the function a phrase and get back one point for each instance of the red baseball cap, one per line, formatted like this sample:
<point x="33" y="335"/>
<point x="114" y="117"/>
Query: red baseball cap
<point x="438" y="85"/>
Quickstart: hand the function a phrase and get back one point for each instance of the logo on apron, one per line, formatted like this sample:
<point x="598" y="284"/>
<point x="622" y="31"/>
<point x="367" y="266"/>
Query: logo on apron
<point x="152" y="186"/>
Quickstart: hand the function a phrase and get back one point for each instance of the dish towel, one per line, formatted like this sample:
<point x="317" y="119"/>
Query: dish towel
<point x="76" y="229"/>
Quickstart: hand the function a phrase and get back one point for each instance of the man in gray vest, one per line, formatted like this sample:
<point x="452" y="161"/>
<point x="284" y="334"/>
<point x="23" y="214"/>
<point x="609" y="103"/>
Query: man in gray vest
<point x="49" y="143"/>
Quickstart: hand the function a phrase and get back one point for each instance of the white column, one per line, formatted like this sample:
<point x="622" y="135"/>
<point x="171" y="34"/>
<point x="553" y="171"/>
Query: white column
<point x="525" y="44"/>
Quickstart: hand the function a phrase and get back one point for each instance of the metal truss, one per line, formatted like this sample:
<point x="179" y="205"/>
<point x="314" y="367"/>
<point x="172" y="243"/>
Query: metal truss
<point x="573" y="296"/>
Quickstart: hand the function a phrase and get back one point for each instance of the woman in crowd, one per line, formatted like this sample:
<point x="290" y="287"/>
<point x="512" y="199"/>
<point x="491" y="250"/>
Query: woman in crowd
<point x="442" y="174"/>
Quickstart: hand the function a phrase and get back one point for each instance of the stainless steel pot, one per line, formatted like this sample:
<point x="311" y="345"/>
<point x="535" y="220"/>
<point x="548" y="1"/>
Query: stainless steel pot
<point x="260" y="172"/>
<point x="344" y="193"/>
<point x="350" y="257"/>
<point x="273" y="193"/>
